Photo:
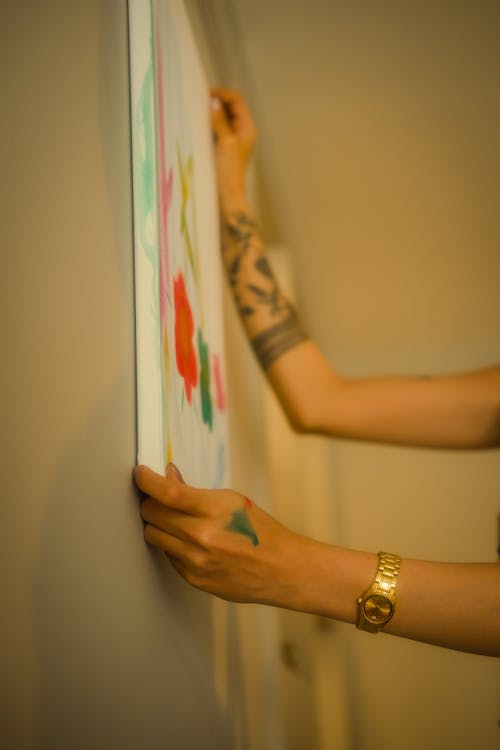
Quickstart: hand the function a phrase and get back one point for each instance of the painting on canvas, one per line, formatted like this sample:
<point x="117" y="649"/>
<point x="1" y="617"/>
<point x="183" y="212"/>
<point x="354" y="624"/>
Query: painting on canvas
<point x="180" y="363"/>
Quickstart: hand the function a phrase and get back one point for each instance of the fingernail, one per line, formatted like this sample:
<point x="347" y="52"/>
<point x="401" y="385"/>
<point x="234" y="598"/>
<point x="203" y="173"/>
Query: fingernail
<point x="173" y="470"/>
<point x="215" y="103"/>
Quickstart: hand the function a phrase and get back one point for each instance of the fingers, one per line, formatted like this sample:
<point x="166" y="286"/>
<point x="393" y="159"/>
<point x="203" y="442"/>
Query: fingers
<point x="219" y="119"/>
<point x="174" y="547"/>
<point x="232" y="101"/>
<point x="227" y="100"/>
<point x="169" y="521"/>
<point x="186" y="540"/>
<point x="190" y="566"/>
<point x="233" y="115"/>
<point x="171" y="491"/>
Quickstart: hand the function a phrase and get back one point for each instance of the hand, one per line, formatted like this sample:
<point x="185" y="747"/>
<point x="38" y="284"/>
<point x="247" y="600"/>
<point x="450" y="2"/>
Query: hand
<point x="221" y="542"/>
<point x="234" y="137"/>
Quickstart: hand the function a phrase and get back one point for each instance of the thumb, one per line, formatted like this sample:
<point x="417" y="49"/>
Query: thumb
<point x="174" y="473"/>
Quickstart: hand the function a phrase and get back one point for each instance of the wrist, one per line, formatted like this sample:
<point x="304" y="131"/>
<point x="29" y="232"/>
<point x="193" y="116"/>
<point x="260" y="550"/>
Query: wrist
<point x="231" y="202"/>
<point x="326" y="585"/>
<point x="330" y="583"/>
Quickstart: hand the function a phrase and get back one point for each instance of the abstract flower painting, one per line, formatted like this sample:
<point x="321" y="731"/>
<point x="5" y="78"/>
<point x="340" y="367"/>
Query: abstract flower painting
<point x="181" y="399"/>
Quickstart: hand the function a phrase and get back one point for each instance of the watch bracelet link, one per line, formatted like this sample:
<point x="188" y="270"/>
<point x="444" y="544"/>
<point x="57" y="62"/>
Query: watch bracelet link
<point x="388" y="571"/>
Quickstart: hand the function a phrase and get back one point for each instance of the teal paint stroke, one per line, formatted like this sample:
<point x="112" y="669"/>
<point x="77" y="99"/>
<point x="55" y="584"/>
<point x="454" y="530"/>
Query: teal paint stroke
<point x="220" y="471"/>
<point x="144" y="151"/>
<point x="145" y="196"/>
<point x="145" y="203"/>
<point x="240" y="524"/>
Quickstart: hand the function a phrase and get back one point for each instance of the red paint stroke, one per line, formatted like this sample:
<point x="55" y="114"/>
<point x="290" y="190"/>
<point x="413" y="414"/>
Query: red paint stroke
<point x="220" y="395"/>
<point x="184" y="329"/>
<point x="165" y="186"/>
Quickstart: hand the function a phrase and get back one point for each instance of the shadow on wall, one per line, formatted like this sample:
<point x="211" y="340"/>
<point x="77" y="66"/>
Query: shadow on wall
<point x="124" y="645"/>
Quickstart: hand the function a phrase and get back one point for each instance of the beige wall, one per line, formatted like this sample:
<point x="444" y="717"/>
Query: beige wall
<point x="102" y="645"/>
<point x="392" y="222"/>
<point x="379" y="159"/>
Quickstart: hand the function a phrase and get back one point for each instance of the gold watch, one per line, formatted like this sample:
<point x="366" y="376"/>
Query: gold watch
<point x="376" y="606"/>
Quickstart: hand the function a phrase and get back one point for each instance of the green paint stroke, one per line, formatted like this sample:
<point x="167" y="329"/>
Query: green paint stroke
<point x="206" y="401"/>
<point x="240" y="524"/>
<point x="144" y="151"/>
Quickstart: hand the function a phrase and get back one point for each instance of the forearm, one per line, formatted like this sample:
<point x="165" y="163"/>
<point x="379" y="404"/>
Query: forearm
<point x="450" y="604"/>
<point x="445" y="411"/>
<point x="269" y="319"/>
<point x="292" y="362"/>
<point x="457" y="411"/>
<point x="460" y="411"/>
<point x="447" y="604"/>
<point x="223" y="543"/>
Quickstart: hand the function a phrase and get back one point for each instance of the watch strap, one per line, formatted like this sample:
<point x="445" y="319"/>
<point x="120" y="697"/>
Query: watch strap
<point x="383" y="589"/>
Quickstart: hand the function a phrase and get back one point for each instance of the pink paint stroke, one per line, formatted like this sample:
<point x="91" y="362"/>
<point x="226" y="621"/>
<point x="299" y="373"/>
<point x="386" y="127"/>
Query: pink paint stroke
<point x="220" y="396"/>
<point x="166" y="182"/>
<point x="164" y="267"/>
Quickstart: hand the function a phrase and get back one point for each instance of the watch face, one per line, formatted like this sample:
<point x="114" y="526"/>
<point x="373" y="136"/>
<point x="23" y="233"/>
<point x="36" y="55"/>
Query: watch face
<point x="378" y="608"/>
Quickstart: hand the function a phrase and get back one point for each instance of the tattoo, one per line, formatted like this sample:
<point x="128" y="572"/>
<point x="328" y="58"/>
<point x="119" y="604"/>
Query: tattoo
<point x="275" y="341"/>
<point x="240" y="523"/>
<point x="241" y="230"/>
<point x="263" y="266"/>
<point x="256" y="290"/>
<point x="242" y="221"/>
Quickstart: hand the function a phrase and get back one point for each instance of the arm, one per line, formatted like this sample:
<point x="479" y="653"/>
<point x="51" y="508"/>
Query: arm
<point x="224" y="544"/>
<point x="457" y="411"/>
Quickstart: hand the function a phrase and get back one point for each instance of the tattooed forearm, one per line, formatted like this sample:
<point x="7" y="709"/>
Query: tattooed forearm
<point x="239" y="239"/>
<point x="241" y="228"/>
<point x="250" y="275"/>
<point x="275" y="341"/>
<point x="271" y="322"/>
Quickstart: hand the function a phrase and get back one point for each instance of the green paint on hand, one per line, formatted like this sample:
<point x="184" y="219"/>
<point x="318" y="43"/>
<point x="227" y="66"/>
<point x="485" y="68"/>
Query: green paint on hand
<point x="240" y="524"/>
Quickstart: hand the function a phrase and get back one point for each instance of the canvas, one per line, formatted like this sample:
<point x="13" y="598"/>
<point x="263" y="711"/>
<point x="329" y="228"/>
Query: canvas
<point x="181" y="395"/>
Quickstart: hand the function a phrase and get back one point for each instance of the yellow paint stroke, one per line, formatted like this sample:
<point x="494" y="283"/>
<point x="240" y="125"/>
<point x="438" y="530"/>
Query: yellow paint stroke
<point x="186" y="180"/>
